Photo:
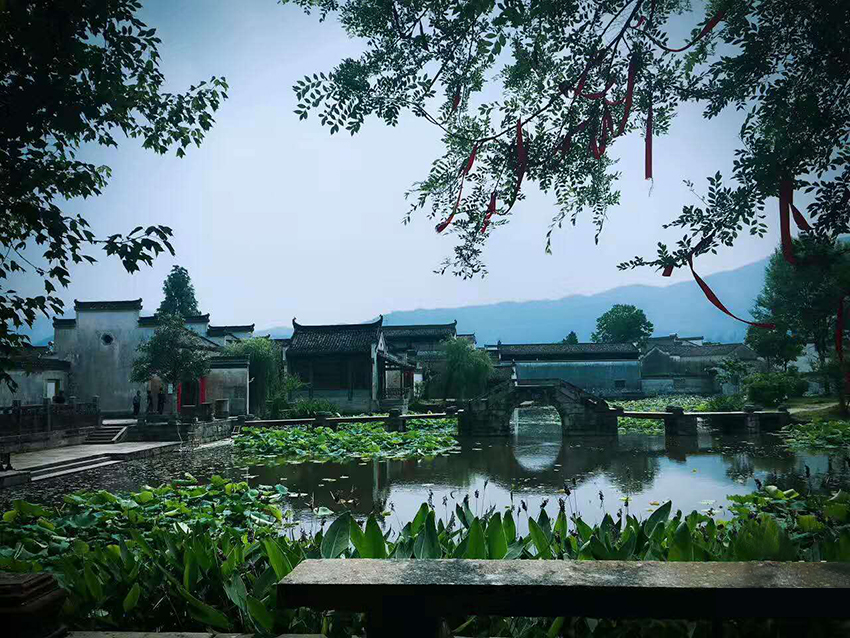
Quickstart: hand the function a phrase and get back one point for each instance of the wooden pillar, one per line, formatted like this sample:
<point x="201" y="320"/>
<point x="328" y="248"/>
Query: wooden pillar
<point x="350" y="379"/>
<point x="311" y="378"/>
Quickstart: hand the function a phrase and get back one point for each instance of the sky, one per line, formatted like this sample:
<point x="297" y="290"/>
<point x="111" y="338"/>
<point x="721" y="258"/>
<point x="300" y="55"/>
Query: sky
<point x="275" y="218"/>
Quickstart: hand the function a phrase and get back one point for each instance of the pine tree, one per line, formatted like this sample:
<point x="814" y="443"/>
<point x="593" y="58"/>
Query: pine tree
<point x="179" y="294"/>
<point x="571" y="339"/>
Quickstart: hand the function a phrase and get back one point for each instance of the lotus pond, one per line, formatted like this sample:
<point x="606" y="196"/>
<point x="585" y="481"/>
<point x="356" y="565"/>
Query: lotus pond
<point x="633" y="473"/>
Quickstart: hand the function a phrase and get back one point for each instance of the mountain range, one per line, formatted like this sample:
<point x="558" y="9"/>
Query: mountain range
<point x="681" y="308"/>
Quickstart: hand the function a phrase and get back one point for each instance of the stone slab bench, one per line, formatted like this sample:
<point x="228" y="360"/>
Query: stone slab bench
<point x="407" y="597"/>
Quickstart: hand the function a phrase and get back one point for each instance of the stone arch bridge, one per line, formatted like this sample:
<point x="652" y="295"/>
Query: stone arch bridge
<point x="580" y="411"/>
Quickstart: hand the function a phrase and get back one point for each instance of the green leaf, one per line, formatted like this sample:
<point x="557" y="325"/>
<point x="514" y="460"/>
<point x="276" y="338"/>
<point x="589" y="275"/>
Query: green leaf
<point x="419" y="519"/>
<point x="202" y="612"/>
<point x="427" y="544"/>
<point x="658" y="517"/>
<point x="279" y="562"/>
<point x="682" y="546"/>
<point x="132" y="598"/>
<point x="93" y="583"/>
<point x="358" y="539"/>
<point x="538" y="537"/>
<point x="509" y="526"/>
<point x="377" y="546"/>
<point x="497" y="543"/>
<point x="338" y="537"/>
<point x="476" y="545"/>
<point x="259" y="613"/>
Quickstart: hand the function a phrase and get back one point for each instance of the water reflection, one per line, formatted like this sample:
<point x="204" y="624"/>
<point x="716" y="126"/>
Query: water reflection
<point x="531" y="465"/>
<point x="536" y="462"/>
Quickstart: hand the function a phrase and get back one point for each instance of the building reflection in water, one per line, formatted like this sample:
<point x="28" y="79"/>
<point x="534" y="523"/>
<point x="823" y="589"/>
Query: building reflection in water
<point x="536" y="463"/>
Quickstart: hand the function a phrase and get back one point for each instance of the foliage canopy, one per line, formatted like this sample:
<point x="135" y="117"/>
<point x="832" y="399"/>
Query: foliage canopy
<point x="540" y="89"/>
<point x="624" y="323"/>
<point x="77" y="73"/>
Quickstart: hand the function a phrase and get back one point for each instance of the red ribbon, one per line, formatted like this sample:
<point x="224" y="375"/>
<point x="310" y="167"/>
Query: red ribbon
<point x="648" y="149"/>
<point x="708" y="27"/>
<point x="464" y="171"/>
<point x="491" y="210"/>
<point x="668" y="270"/>
<point x="521" y="156"/>
<point x="599" y="95"/>
<point x="709" y="293"/>
<point x="456" y="100"/>
<point x="786" y="210"/>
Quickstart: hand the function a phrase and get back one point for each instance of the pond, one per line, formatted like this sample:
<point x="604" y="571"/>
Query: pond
<point x="532" y="465"/>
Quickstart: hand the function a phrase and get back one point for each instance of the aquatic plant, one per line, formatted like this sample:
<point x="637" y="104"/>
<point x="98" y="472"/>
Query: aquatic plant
<point x="830" y="435"/>
<point x="629" y="425"/>
<point x="350" y="440"/>
<point x="188" y="556"/>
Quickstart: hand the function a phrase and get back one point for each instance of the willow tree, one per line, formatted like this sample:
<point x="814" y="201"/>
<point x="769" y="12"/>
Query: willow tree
<point x="573" y="77"/>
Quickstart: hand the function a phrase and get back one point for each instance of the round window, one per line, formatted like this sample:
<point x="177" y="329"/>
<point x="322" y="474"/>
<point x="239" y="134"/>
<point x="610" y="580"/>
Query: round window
<point x="107" y="339"/>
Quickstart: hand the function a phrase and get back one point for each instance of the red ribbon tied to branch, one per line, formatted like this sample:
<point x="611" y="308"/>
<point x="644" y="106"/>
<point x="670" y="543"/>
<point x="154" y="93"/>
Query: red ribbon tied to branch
<point x="464" y="171"/>
<point x="786" y="210"/>
<point x="708" y="27"/>
<point x="521" y="155"/>
<point x="709" y="293"/>
<point x="647" y="159"/>
<point x="491" y="210"/>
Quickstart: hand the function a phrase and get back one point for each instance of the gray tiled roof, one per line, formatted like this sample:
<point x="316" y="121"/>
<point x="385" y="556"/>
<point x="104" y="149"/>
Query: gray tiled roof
<point x="220" y="331"/>
<point x="130" y="304"/>
<point x="332" y="339"/>
<point x="531" y="349"/>
<point x="64" y="323"/>
<point x="714" y="350"/>
<point x="439" y="330"/>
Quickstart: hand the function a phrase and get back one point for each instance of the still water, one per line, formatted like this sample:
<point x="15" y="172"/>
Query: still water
<point x="536" y="462"/>
<point x="530" y="466"/>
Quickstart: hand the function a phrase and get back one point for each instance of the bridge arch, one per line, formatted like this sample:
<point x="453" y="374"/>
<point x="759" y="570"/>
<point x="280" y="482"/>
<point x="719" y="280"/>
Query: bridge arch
<point x="580" y="411"/>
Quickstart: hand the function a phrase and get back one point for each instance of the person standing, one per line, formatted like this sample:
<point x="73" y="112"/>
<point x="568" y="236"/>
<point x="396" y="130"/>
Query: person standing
<point x="160" y="400"/>
<point x="137" y="402"/>
<point x="149" y="406"/>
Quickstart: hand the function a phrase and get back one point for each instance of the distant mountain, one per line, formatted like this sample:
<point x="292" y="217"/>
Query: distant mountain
<point x="680" y="307"/>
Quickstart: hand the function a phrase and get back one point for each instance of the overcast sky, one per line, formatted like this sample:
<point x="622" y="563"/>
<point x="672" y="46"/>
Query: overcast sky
<point x="275" y="218"/>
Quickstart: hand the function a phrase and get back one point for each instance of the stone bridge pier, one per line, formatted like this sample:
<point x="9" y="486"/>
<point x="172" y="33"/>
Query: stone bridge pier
<point x="580" y="412"/>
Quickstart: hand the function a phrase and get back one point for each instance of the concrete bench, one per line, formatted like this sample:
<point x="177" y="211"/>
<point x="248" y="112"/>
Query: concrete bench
<point x="408" y="597"/>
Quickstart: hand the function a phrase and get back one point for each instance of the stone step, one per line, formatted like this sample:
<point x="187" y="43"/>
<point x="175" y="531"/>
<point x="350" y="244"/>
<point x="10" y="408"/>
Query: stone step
<point x="64" y="465"/>
<point x="74" y="470"/>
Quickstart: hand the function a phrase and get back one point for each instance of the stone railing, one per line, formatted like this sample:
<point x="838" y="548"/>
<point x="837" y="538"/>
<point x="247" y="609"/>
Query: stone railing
<point x="20" y="419"/>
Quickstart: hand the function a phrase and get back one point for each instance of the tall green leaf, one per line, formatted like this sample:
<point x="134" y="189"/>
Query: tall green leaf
<point x="658" y="517"/>
<point x="476" y="545"/>
<point x="682" y="547"/>
<point x="497" y="544"/>
<point x="538" y="537"/>
<point x="427" y="545"/>
<point x="132" y="598"/>
<point x="509" y="526"/>
<point x="337" y="537"/>
<point x="377" y="545"/>
<point x="260" y="614"/>
<point x="278" y="560"/>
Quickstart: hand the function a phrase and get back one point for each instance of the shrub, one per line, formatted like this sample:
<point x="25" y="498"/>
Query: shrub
<point x="308" y="408"/>
<point x="772" y="388"/>
<point x="730" y="403"/>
